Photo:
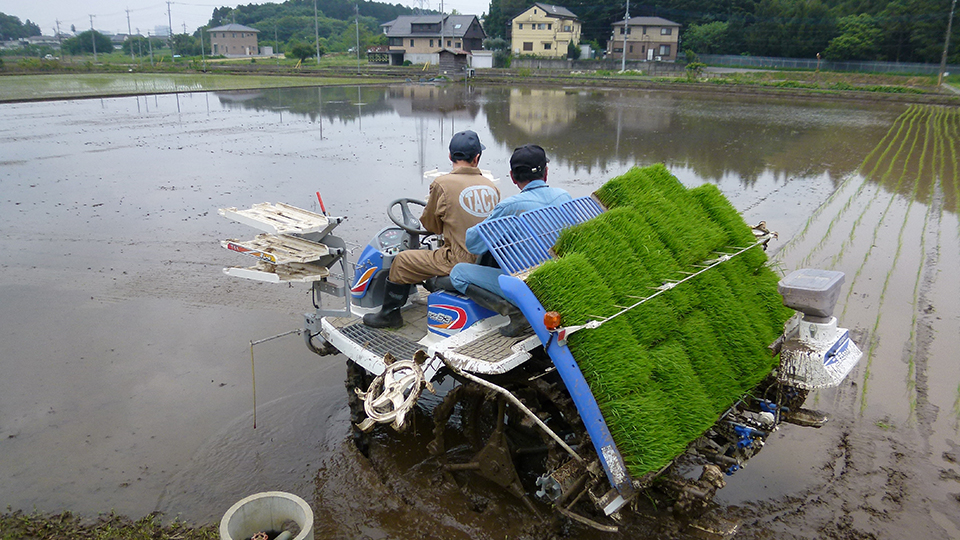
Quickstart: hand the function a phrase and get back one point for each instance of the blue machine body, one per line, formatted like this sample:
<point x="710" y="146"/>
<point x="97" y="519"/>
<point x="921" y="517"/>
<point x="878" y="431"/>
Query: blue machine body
<point x="449" y="313"/>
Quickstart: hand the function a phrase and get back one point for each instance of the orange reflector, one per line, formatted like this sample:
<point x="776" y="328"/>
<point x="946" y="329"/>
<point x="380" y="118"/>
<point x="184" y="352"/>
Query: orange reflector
<point x="551" y="320"/>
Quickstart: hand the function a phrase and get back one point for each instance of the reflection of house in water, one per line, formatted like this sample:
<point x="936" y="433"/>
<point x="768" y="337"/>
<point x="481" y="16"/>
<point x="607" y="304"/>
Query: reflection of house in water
<point x="430" y="101"/>
<point x="542" y="112"/>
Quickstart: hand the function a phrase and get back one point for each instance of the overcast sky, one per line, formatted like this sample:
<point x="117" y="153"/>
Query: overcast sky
<point x="145" y="15"/>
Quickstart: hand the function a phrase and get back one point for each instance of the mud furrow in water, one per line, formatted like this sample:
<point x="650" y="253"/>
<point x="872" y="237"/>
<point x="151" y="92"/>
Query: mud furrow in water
<point x="893" y="133"/>
<point x="928" y="266"/>
<point x="928" y="127"/>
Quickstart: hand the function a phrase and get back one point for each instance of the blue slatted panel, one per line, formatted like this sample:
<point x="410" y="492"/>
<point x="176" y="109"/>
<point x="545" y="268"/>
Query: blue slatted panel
<point x="583" y="209"/>
<point x="515" y="247"/>
<point x="547" y="222"/>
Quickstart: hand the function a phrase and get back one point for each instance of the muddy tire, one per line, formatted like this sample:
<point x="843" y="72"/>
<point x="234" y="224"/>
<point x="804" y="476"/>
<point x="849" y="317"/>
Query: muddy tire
<point x="357" y="378"/>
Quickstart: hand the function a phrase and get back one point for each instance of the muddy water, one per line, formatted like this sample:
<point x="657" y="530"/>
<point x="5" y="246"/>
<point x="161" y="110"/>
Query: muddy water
<point x="126" y="362"/>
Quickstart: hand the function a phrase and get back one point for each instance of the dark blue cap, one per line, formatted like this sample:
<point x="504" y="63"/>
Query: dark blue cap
<point x="465" y="145"/>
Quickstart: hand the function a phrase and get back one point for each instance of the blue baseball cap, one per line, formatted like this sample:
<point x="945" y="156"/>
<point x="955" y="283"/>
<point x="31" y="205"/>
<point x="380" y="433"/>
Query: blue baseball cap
<point x="465" y="145"/>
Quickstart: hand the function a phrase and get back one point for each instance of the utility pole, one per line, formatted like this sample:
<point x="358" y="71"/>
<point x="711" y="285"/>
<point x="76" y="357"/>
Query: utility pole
<point x="150" y="46"/>
<point x="626" y="26"/>
<point x="93" y="38"/>
<point x="129" y="33"/>
<point x="946" y="44"/>
<point x="202" y="54"/>
<point x="316" y="32"/>
<point x="356" y="8"/>
<point x="170" y="23"/>
<point x="59" y="39"/>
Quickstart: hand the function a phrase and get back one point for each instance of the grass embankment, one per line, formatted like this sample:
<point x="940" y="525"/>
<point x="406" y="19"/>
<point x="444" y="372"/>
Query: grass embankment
<point x="664" y="372"/>
<point x="66" y="526"/>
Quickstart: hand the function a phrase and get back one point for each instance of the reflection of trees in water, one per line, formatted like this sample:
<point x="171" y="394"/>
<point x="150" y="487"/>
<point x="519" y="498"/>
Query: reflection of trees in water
<point x="712" y="135"/>
<point x="346" y="103"/>
<point x="343" y="103"/>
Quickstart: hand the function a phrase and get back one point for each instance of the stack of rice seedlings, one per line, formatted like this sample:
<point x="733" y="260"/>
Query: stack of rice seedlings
<point x="718" y="377"/>
<point x="666" y="206"/>
<point x="626" y="277"/>
<point x="732" y="325"/>
<point x="610" y="358"/>
<point x="663" y="372"/>
<point x="643" y="426"/>
<point x="628" y="224"/>
<point x="673" y="373"/>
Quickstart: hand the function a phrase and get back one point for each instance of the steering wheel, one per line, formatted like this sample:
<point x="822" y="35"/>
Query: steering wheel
<point x="407" y="222"/>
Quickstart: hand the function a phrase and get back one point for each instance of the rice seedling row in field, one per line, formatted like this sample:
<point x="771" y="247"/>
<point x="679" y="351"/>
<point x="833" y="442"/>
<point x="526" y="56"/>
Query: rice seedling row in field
<point x="894" y="131"/>
<point x="880" y="220"/>
<point x="917" y="113"/>
<point x="930" y="132"/>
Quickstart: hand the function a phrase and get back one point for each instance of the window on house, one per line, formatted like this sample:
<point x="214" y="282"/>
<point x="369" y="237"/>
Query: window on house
<point x="618" y="49"/>
<point x="549" y="27"/>
<point x="644" y="28"/>
<point x="411" y="43"/>
<point x="628" y="30"/>
<point x="666" y="31"/>
<point x="664" y="50"/>
<point x="540" y="26"/>
<point x="546" y="46"/>
<point x="431" y="43"/>
<point x="520" y="25"/>
<point x="459" y="45"/>
<point x="631" y="48"/>
<point x="622" y="31"/>
<point x="448" y="43"/>
<point x="528" y="45"/>
<point x="567" y="28"/>
<point x="457" y="26"/>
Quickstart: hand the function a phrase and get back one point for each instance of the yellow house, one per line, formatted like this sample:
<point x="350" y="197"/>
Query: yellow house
<point x="544" y="30"/>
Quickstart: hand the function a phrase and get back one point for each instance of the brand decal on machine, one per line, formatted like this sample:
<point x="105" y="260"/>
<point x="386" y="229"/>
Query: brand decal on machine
<point x="838" y="352"/>
<point x="479" y="200"/>
<point x="446" y="316"/>
<point x="363" y="281"/>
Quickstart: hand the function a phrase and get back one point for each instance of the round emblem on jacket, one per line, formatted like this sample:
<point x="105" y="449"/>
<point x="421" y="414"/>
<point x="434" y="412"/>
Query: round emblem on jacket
<point x="479" y="200"/>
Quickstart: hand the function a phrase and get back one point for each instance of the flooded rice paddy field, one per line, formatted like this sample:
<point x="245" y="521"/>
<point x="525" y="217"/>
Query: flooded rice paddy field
<point x="126" y="353"/>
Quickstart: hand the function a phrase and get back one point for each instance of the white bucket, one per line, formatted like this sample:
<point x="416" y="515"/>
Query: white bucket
<point x="266" y="511"/>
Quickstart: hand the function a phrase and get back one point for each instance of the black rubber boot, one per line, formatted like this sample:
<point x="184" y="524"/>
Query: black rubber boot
<point x="394" y="297"/>
<point x="518" y="323"/>
<point x="439" y="283"/>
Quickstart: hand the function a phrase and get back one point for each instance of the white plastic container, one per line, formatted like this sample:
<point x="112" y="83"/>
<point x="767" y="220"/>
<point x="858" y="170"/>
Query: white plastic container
<point x="266" y="511"/>
<point x="810" y="291"/>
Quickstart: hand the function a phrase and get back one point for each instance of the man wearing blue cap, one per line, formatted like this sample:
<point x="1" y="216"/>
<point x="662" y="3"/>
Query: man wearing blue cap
<point x="528" y="170"/>
<point x="457" y="201"/>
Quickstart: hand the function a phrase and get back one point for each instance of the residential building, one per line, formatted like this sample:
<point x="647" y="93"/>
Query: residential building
<point x="647" y="38"/>
<point x="544" y="30"/>
<point x="233" y="40"/>
<point x="420" y="38"/>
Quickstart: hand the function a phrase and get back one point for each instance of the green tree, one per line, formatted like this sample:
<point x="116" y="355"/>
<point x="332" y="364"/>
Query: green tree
<point x="186" y="45"/>
<point x="573" y="51"/>
<point x="83" y="44"/>
<point x="300" y="50"/>
<point x="12" y="28"/>
<point x="709" y="38"/>
<point x="858" y="39"/>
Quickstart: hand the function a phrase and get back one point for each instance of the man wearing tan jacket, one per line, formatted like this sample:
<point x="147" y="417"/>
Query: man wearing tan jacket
<point x="457" y="201"/>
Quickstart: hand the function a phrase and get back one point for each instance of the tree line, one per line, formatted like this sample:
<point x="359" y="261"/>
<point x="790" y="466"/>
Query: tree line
<point x="11" y="28"/>
<point x="886" y="30"/>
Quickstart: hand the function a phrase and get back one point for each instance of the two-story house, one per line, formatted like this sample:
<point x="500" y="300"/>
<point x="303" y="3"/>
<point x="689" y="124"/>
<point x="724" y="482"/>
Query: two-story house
<point x="647" y="38"/>
<point x="233" y="40"/>
<point x="420" y="38"/>
<point x="544" y="30"/>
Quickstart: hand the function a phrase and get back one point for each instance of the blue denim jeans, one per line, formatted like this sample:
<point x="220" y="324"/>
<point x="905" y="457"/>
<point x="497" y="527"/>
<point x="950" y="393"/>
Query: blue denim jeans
<point x="485" y="277"/>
